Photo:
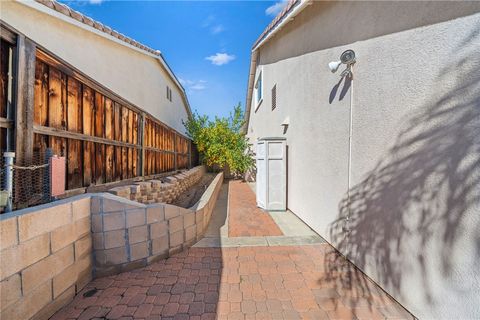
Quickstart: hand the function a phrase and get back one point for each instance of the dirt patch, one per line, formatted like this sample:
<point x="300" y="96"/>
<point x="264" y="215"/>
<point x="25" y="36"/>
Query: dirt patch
<point x="195" y="192"/>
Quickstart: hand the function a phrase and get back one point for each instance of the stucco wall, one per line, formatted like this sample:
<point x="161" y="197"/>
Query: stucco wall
<point x="396" y="150"/>
<point x="132" y="75"/>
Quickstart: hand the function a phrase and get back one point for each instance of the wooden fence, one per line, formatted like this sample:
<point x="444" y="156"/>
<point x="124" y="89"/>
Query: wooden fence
<point x="103" y="137"/>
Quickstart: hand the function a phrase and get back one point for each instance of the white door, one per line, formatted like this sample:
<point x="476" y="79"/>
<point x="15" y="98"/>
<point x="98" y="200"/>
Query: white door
<point x="276" y="173"/>
<point x="271" y="174"/>
<point x="261" y="175"/>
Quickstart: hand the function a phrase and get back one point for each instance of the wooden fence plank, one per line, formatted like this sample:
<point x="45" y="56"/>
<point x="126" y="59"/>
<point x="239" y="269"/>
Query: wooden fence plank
<point x="109" y="120"/>
<point x="99" y="115"/>
<point x="88" y="107"/>
<point x="99" y="163"/>
<point x="74" y="164"/>
<point x="74" y="105"/>
<point x="118" y="163"/>
<point x="118" y="122"/>
<point x="124" y="124"/>
<point x="41" y="94"/>
<point x="57" y="115"/>
<point x="110" y="167"/>
<point x="88" y="163"/>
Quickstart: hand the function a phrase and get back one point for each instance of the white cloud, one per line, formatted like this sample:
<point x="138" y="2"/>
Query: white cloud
<point x="276" y="8"/>
<point x="95" y="1"/>
<point x="219" y="59"/>
<point x="190" y="85"/>
<point x="217" y="29"/>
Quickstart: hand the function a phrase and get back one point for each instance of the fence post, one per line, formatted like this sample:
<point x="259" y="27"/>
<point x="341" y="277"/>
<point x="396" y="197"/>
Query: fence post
<point x="47" y="174"/>
<point x="175" y="165"/>
<point x="9" y="156"/>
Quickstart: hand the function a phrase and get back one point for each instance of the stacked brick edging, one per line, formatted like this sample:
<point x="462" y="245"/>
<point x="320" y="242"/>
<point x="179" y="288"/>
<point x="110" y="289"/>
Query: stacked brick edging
<point x="165" y="190"/>
<point x="128" y="235"/>
<point x="45" y="257"/>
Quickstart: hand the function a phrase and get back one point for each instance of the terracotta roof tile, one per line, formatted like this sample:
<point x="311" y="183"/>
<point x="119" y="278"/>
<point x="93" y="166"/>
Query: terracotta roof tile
<point x="66" y="10"/>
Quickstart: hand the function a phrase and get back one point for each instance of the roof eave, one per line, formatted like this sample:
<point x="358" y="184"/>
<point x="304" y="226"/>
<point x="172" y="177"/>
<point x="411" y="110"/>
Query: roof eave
<point x="288" y="16"/>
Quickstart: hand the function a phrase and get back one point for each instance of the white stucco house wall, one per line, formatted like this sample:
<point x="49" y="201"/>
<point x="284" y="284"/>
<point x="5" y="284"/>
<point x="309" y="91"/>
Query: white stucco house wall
<point x="384" y="165"/>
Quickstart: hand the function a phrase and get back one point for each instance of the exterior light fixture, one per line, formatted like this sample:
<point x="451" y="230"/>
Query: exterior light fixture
<point x="348" y="58"/>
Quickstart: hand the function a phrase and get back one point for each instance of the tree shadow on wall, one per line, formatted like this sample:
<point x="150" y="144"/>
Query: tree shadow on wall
<point x="425" y="189"/>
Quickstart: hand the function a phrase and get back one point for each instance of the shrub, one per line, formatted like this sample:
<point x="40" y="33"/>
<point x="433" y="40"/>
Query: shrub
<point x="220" y="142"/>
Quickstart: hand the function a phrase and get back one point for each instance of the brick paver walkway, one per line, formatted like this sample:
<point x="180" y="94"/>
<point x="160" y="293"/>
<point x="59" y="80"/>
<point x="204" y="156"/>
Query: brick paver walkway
<point x="244" y="282"/>
<point x="245" y="218"/>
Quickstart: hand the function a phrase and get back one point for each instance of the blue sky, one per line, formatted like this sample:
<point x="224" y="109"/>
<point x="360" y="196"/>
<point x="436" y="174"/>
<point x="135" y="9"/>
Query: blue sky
<point x="206" y="43"/>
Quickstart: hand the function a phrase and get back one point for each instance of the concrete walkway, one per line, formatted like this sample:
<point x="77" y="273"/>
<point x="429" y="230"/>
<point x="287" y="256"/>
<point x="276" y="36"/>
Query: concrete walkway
<point x="293" y="276"/>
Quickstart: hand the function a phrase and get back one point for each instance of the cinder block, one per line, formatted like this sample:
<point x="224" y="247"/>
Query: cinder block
<point x="82" y="227"/>
<point x="138" y="251"/>
<point x="199" y="216"/>
<point x="188" y="219"/>
<point x="81" y="208"/>
<point x="175" y="224"/>
<point x="158" y="229"/>
<point x="8" y="233"/>
<point x="63" y="236"/>
<point x="111" y="205"/>
<point x="97" y="239"/>
<point x="64" y="280"/>
<point x="113" y="221"/>
<point x="160" y="245"/>
<point x="16" y="258"/>
<point x="123" y="191"/>
<point x="84" y="271"/>
<point x="190" y="233"/>
<point x="46" y="268"/>
<point x="156" y="184"/>
<point x="95" y="204"/>
<point x="115" y="256"/>
<point x="155" y="213"/>
<point x="83" y="247"/>
<point x="61" y="301"/>
<point x="134" y="189"/>
<point x="42" y="221"/>
<point x="115" y="239"/>
<point x="30" y="304"/>
<point x="199" y="227"/>
<point x="171" y="212"/>
<point x="138" y="234"/>
<point x="97" y="223"/>
<point x="135" y="217"/>
<point x="10" y="290"/>
<point x="176" y="239"/>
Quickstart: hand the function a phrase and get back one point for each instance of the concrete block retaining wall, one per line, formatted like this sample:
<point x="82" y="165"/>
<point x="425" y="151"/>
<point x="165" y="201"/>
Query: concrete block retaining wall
<point x="50" y="252"/>
<point x="127" y="234"/>
<point x="165" y="190"/>
<point x="45" y="257"/>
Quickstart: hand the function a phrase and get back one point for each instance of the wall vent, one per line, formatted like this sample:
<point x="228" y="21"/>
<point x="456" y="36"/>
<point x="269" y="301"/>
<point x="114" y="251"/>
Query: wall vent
<point x="274" y="97"/>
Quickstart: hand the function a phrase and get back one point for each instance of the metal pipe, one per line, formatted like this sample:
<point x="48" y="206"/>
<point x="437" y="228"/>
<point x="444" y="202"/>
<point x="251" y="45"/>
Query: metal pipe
<point x="9" y="156"/>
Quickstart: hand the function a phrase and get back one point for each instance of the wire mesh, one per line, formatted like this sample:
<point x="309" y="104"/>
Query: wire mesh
<point x="31" y="184"/>
<point x="2" y="180"/>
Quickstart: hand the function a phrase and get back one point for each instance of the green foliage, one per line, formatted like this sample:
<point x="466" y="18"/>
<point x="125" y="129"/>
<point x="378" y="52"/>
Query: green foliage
<point x="220" y="142"/>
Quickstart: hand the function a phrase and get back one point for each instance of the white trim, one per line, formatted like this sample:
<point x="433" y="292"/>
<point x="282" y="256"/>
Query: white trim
<point x="260" y="77"/>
